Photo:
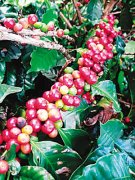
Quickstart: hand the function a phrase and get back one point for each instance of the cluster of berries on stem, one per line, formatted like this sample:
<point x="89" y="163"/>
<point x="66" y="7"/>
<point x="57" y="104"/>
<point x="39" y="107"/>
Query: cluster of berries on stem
<point x="44" y="113"/>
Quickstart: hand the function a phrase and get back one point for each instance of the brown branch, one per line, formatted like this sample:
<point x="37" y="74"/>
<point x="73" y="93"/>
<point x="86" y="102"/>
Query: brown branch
<point x="118" y="12"/>
<point x="78" y="12"/>
<point x="37" y="32"/>
<point x="65" y="65"/>
<point x="31" y="41"/>
<point x="109" y="7"/>
<point x="66" y="20"/>
<point x="126" y="103"/>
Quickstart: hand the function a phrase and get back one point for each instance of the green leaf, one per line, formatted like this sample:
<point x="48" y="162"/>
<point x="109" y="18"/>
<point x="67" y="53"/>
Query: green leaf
<point x="94" y="11"/>
<point x="53" y="157"/>
<point x="13" y="51"/>
<point x="50" y="15"/>
<point x="2" y="176"/>
<point x="90" y="159"/>
<point x="108" y="167"/>
<point x="44" y="59"/>
<point x="73" y="137"/>
<point x="34" y="173"/>
<point x="122" y="82"/>
<point x="2" y="70"/>
<point x="110" y="132"/>
<point x="107" y="89"/>
<point x="15" y="167"/>
<point x="128" y="144"/>
<point x="11" y="154"/>
<point x="6" y="90"/>
<point x="120" y="45"/>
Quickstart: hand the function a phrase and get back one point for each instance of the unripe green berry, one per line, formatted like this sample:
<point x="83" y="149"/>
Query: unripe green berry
<point x="66" y="32"/>
<point x="87" y="87"/>
<point x="44" y="28"/>
<point x="68" y="70"/>
<point x="38" y="25"/>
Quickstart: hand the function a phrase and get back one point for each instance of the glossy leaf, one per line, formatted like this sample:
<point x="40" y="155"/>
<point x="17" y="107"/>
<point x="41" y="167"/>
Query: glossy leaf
<point x="53" y="157"/>
<point x="2" y="70"/>
<point x="107" y="89"/>
<point x="108" y="167"/>
<point x="6" y="90"/>
<point x="50" y="15"/>
<point x="44" y="59"/>
<point x="94" y="11"/>
<point x="120" y="45"/>
<point x="13" y="51"/>
<point x="34" y="173"/>
<point x="11" y="154"/>
<point x="110" y="132"/>
<point x="2" y="176"/>
<point x="90" y="159"/>
<point x="73" y="137"/>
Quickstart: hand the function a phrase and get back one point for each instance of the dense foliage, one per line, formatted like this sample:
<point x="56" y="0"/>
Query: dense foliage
<point x="67" y="90"/>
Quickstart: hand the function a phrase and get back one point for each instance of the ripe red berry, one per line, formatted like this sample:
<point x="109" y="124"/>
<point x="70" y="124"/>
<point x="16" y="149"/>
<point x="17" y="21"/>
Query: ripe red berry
<point x="40" y="103"/>
<point x="127" y="119"/>
<point x="48" y="127"/>
<point x="13" y="141"/>
<point x="14" y="132"/>
<point x="36" y="124"/>
<point x="30" y="104"/>
<point x="46" y="95"/>
<point x="17" y="27"/>
<point x="79" y="83"/>
<point x="54" y="115"/>
<point x="92" y="79"/>
<point x="1" y="139"/>
<point x="5" y="135"/>
<point x="9" y="23"/>
<point x="68" y="82"/>
<point x="85" y="72"/>
<point x="24" y="22"/>
<point x="56" y="85"/>
<point x="80" y="91"/>
<point x="11" y="122"/>
<point x="31" y="114"/>
<point x="97" y="68"/>
<point x="3" y="166"/>
<point x="76" y="101"/>
<point x="50" y="26"/>
<point x="55" y="94"/>
<point x="32" y="19"/>
<point x="26" y="148"/>
<point x="53" y="134"/>
<point x="60" y="33"/>
<point x="68" y="100"/>
<point x="88" y="62"/>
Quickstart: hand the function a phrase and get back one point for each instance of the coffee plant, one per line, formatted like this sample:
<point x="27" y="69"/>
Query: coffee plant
<point x="67" y="90"/>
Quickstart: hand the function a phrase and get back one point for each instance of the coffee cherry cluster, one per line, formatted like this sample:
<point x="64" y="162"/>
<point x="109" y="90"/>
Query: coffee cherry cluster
<point x="32" y="22"/>
<point x="44" y="113"/>
<point x="17" y="132"/>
